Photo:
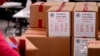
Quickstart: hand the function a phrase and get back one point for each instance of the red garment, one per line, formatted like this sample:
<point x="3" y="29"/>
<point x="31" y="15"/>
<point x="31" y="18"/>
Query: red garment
<point x="2" y="1"/>
<point x="5" y="49"/>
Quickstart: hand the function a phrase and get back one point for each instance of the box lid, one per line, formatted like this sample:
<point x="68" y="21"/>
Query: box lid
<point x="89" y="8"/>
<point x="65" y="8"/>
<point x="89" y="3"/>
<point x="93" y="44"/>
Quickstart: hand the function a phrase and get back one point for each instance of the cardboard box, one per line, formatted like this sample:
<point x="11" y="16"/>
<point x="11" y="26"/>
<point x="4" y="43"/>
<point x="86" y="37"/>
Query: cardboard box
<point x="51" y="46"/>
<point x="35" y="32"/>
<point x="31" y="50"/>
<point x="86" y="3"/>
<point x="78" y="46"/>
<point x="59" y="21"/>
<point x="85" y="21"/>
<point x="93" y="48"/>
<point x="98" y="16"/>
<point x="38" y="14"/>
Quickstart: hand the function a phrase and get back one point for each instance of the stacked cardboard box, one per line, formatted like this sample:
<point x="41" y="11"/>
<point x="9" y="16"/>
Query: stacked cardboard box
<point x="51" y="46"/>
<point x="84" y="27"/>
<point x="59" y="21"/>
<point x="38" y="15"/>
<point x="93" y="48"/>
<point x="59" y="25"/>
<point x="31" y="50"/>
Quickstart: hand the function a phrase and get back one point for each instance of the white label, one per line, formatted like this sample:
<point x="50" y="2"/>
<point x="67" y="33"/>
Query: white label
<point x="84" y="24"/>
<point x="59" y="24"/>
<point x="80" y="46"/>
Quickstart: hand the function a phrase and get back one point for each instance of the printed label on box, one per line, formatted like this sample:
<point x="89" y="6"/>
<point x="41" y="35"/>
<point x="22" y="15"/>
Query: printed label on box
<point x="84" y="24"/>
<point x="59" y="24"/>
<point x="80" y="46"/>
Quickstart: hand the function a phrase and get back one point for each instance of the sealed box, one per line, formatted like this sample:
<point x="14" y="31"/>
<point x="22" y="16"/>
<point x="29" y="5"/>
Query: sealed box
<point x="31" y="49"/>
<point x="38" y="14"/>
<point x="51" y="46"/>
<point x="86" y="3"/>
<point x="35" y="32"/>
<point x="59" y="21"/>
<point x="79" y="46"/>
<point x="85" y="21"/>
<point x="93" y="48"/>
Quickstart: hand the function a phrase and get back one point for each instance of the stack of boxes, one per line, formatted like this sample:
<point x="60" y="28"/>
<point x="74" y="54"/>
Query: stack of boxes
<point x="56" y="19"/>
<point x="84" y="28"/>
<point x="63" y="28"/>
<point x="59" y="26"/>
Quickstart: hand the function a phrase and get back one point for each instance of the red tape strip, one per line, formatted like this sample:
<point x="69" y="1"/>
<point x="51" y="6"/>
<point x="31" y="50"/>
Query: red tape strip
<point x="41" y="7"/>
<point x="22" y="47"/>
<point x="13" y="40"/>
<point x="60" y="8"/>
<point x="40" y="23"/>
<point x="85" y="9"/>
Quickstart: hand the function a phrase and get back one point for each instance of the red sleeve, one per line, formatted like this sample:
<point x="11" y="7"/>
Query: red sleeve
<point x="5" y="49"/>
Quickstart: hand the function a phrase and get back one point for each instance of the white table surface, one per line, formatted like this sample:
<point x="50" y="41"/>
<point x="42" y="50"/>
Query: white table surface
<point x="10" y="4"/>
<point x="24" y="13"/>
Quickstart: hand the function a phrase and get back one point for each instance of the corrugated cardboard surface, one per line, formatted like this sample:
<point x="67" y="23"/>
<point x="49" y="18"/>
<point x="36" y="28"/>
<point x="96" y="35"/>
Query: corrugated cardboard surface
<point x="94" y="48"/>
<point x="90" y="9"/>
<point x="35" y="32"/>
<point x="31" y="49"/>
<point x="88" y="3"/>
<point x="51" y="46"/>
<point x="35" y="15"/>
<point x="59" y="3"/>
